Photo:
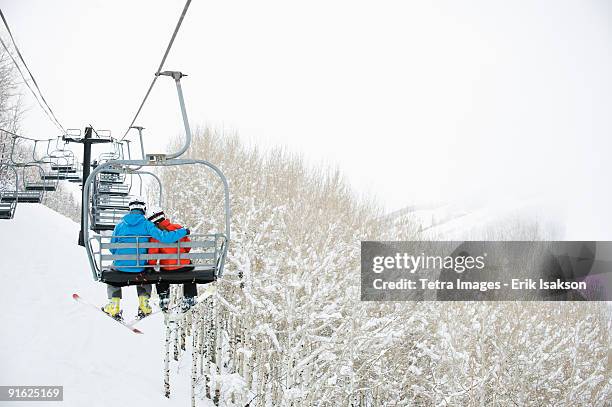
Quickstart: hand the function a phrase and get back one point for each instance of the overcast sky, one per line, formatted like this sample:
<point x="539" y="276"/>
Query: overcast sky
<point x="415" y="101"/>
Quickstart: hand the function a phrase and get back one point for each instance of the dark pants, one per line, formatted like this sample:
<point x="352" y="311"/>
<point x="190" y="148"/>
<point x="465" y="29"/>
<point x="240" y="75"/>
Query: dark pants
<point x="189" y="289"/>
<point x="115" y="292"/>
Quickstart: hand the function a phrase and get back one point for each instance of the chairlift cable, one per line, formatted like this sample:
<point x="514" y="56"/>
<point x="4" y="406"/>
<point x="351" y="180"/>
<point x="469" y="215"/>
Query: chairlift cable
<point x="27" y="83"/>
<point x="52" y="114"/>
<point x="159" y="68"/>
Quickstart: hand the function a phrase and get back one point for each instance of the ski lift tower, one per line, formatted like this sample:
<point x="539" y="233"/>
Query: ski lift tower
<point x="87" y="142"/>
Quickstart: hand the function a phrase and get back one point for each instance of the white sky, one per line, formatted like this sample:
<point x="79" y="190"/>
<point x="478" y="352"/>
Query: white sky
<point x="415" y="101"/>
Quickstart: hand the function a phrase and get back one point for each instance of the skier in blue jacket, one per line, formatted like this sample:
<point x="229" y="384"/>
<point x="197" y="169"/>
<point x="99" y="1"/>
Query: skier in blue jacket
<point x="136" y="224"/>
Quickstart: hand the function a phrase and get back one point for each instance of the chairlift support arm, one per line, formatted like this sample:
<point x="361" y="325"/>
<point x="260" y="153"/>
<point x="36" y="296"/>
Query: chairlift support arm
<point x="140" y="129"/>
<point x="176" y="75"/>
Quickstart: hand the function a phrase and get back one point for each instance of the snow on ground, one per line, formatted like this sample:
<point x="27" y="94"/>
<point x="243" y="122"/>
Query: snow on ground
<point x="48" y="339"/>
<point x="474" y="220"/>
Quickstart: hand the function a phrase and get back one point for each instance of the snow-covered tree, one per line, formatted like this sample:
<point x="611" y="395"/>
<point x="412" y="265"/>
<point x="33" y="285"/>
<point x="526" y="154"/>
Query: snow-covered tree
<point x="294" y="331"/>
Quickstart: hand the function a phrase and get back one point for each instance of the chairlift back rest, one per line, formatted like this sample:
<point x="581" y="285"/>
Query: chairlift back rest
<point x="110" y="207"/>
<point x="113" y="189"/>
<point x="115" y="214"/>
<point x="110" y="200"/>
<point x="204" y="258"/>
<point x="204" y="253"/>
<point x="146" y="244"/>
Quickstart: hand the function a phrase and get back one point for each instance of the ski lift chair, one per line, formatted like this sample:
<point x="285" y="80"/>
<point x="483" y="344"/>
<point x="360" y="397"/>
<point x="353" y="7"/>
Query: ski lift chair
<point x="41" y="184"/>
<point x="207" y="254"/>
<point x="8" y="195"/>
<point x="44" y="158"/>
<point x="32" y="196"/>
<point x="208" y="251"/>
<point x="108" y="210"/>
<point x="25" y="196"/>
<point x="111" y="181"/>
<point x="110" y="176"/>
<point x="7" y="209"/>
<point x="64" y="161"/>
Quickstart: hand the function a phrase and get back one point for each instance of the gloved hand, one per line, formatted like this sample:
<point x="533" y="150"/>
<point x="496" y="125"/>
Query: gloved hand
<point x="188" y="231"/>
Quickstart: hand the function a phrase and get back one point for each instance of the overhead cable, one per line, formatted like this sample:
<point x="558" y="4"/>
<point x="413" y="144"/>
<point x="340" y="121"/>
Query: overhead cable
<point x="48" y="111"/>
<point x="159" y="68"/>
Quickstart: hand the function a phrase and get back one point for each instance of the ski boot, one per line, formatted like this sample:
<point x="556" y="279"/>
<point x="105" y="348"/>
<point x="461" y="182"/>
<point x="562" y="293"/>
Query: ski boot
<point x="164" y="301"/>
<point x="112" y="309"/>
<point x="187" y="303"/>
<point x="144" y="309"/>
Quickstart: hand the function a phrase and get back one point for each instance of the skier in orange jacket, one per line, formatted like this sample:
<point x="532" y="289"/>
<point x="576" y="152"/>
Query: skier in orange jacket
<point x="190" y="290"/>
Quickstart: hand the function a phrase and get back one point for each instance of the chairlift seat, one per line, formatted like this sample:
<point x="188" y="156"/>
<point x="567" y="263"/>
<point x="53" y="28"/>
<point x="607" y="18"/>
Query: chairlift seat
<point x="23" y="196"/>
<point x="63" y="168"/>
<point x="40" y="186"/>
<point x="121" y="279"/>
<point x="101" y="227"/>
<point x="74" y="177"/>
<point x="205" y="257"/>
<point x="53" y="176"/>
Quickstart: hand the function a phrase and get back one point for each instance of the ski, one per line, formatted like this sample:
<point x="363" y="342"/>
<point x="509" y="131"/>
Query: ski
<point x="80" y="299"/>
<point x="208" y="291"/>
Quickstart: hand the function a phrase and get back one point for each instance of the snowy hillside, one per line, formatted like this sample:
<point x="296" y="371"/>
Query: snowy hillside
<point x="287" y="327"/>
<point x="508" y="219"/>
<point x="49" y="339"/>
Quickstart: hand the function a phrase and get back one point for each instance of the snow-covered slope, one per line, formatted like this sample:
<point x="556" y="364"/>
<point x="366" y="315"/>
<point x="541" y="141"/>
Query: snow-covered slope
<point x="48" y="339"/>
<point x="509" y="219"/>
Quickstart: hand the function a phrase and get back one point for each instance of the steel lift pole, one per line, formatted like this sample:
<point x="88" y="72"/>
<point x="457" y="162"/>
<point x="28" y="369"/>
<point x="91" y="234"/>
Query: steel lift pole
<point x="87" y="142"/>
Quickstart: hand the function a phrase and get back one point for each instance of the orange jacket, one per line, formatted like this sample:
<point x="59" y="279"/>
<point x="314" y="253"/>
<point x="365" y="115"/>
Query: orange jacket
<point x="169" y="264"/>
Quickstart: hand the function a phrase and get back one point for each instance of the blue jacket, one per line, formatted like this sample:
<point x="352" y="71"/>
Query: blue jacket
<point x="135" y="224"/>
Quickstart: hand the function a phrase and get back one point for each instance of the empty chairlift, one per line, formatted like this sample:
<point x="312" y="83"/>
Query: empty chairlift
<point x="7" y="209"/>
<point x="108" y="210"/>
<point x="9" y="183"/>
<point x="33" y="173"/>
<point x="64" y="166"/>
<point x="33" y="179"/>
<point x="111" y="181"/>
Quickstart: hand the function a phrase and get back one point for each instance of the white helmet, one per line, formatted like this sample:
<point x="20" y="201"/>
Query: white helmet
<point x="137" y="202"/>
